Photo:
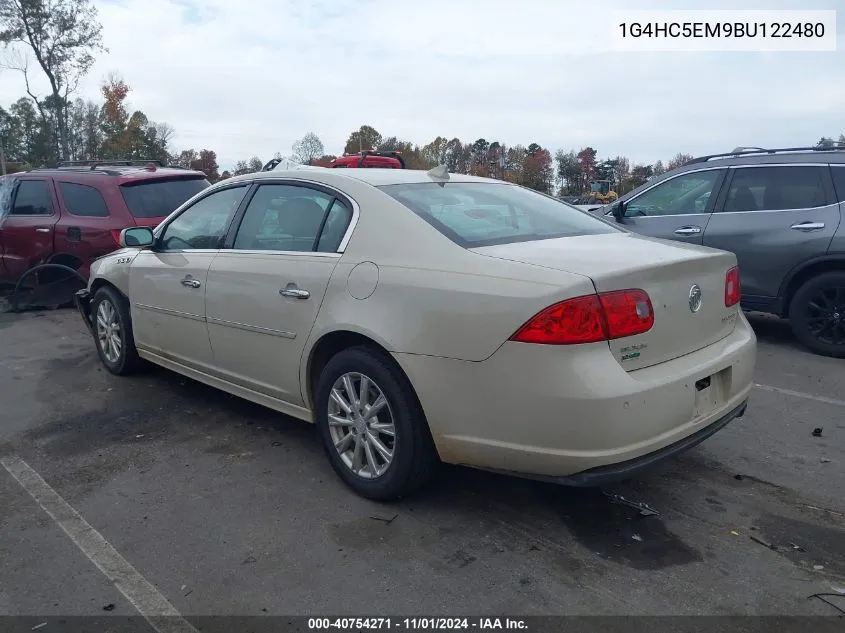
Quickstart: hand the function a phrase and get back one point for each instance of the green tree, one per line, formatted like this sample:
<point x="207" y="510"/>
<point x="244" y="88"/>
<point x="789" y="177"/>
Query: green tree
<point x="365" y="137"/>
<point x="63" y="36"/>
<point x="568" y="170"/>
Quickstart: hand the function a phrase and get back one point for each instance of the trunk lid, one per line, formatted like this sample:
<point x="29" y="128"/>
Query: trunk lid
<point x="667" y="271"/>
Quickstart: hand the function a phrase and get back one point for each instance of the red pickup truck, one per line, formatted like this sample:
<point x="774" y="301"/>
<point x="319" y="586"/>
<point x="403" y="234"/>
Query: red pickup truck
<point x="371" y="158"/>
<point x="74" y="213"/>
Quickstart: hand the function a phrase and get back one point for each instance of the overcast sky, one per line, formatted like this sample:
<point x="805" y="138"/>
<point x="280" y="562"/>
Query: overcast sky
<point x="250" y="77"/>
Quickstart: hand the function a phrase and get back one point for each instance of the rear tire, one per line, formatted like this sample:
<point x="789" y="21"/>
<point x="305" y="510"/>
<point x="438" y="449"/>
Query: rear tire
<point x="356" y="429"/>
<point x="817" y="314"/>
<point x="112" y="325"/>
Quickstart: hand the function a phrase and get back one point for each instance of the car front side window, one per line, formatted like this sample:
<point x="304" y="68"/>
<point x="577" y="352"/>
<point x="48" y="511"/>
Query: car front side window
<point x="682" y="195"/>
<point x="33" y="198"/>
<point x="203" y="224"/>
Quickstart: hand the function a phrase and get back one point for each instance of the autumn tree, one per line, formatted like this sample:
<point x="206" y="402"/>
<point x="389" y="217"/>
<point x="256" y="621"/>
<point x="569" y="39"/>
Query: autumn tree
<point x="537" y="170"/>
<point x="678" y="160"/>
<point x="365" y="137"/>
<point x="207" y="163"/>
<point x="114" y="116"/>
<point x="185" y="159"/>
<point x="63" y="36"/>
<point x="308" y="148"/>
<point x="587" y="162"/>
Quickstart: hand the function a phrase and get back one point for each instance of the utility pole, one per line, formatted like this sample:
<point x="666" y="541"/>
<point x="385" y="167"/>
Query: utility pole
<point x="2" y="158"/>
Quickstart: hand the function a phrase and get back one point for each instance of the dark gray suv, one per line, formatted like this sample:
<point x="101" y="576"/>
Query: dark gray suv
<point x="779" y="211"/>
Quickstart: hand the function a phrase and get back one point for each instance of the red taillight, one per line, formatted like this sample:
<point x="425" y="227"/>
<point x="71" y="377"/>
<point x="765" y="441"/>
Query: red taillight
<point x="115" y="234"/>
<point x="590" y="319"/>
<point x="628" y="312"/>
<point x="732" y="287"/>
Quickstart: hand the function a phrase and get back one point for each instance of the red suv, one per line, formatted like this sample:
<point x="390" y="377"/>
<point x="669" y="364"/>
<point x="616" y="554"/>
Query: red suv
<point x="74" y="213"/>
<point x="371" y="158"/>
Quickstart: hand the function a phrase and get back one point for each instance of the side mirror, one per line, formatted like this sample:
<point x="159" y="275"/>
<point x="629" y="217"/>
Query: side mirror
<point x="137" y="237"/>
<point x="618" y="211"/>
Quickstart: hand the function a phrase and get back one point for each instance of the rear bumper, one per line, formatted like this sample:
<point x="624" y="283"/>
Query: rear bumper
<point x="612" y="473"/>
<point x="82" y="299"/>
<point x="574" y="414"/>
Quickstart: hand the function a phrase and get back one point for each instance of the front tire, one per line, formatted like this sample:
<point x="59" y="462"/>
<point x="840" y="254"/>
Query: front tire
<point x="817" y="314"/>
<point x="372" y="427"/>
<point x="112" y="325"/>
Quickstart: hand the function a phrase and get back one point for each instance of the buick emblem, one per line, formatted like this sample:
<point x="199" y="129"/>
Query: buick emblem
<point x="695" y="298"/>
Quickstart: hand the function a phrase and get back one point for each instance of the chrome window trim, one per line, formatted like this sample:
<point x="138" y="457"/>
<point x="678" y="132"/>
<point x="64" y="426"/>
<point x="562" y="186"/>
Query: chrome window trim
<point x="665" y="180"/>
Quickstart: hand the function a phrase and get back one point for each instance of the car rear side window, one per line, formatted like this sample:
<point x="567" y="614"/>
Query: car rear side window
<point x="292" y="218"/>
<point x="474" y="214"/>
<point x="83" y="200"/>
<point x="839" y="181"/>
<point x="157" y="198"/>
<point x="33" y="198"/>
<point x="776" y="188"/>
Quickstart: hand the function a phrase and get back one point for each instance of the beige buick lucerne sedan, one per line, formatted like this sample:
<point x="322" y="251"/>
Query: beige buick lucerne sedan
<point x="421" y="317"/>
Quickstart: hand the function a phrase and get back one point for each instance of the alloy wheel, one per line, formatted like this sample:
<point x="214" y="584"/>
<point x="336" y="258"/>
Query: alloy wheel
<point x="109" y="334"/>
<point x="361" y="425"/>
<point x="825" y="316"/>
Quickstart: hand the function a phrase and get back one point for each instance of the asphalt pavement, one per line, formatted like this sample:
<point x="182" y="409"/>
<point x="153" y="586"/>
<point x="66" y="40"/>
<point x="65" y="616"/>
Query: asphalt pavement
<point x="126" y="494"/>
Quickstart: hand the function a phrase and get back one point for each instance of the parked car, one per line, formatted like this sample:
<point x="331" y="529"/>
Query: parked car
<point x="780" y="211"/>
<point x="413" y="321"/>
<point x="74" y="213"/>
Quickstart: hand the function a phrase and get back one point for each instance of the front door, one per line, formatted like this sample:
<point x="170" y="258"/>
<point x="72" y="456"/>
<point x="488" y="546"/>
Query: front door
<point x="167" y="283"/>
<point x="27" y="230"/>
<point x="263" y="294"/>
<point x="774" y="217"/>
<point x="676" y="209"/>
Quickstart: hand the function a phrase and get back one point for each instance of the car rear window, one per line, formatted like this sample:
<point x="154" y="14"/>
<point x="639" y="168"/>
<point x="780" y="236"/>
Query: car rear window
<point x="159" y="198"/>
<point x="484" y="214"/>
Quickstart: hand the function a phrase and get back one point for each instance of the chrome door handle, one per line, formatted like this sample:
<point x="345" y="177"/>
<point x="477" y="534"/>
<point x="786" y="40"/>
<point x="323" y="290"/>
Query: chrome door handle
<point x="41" y="229"/>
<point x="808" y="226"/>
<point x="291" y="290"/>
<point x="688" y="230"/>
<point x="190" y="282"/>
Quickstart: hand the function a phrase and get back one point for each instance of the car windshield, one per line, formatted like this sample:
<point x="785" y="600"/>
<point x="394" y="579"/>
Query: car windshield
<point x="159" y="198"/>
<point x="483" y="214"/>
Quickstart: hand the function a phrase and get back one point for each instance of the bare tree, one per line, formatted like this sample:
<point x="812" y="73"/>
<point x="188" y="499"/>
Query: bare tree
<point x="62" y="35"/>
<point x="308" y="148"/>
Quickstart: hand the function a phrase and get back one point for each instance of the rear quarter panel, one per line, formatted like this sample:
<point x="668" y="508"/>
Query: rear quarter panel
<point x="432" y="296"/>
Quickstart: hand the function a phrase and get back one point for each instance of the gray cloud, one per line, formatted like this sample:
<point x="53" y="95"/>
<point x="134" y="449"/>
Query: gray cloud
<point x="250" y="78"/>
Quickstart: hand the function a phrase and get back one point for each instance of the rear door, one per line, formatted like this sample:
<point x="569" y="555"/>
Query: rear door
<point x="264" y="292"/>
<point x="27" y="230"/>
<point x="84" y="230"/>
<point x="677" y="208"/>
<point x="773" y="217"/>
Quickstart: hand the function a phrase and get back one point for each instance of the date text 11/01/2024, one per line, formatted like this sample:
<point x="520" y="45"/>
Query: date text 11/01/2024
<point x="722" y="29"/>
<point x="416" y="623"/>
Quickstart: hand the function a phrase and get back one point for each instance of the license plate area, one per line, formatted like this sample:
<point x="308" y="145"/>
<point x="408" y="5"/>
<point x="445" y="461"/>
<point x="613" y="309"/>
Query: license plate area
<point x="711" y="391"/>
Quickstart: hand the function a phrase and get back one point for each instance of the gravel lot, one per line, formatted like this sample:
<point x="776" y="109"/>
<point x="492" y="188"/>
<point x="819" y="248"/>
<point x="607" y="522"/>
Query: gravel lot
<point x="222" y="507"/>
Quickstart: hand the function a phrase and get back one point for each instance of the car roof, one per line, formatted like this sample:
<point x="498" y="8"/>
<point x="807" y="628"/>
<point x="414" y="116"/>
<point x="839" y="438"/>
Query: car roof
<point x="768" y="157"/>
<point x="372" y="176"/>
<point x="104" y="169"/>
